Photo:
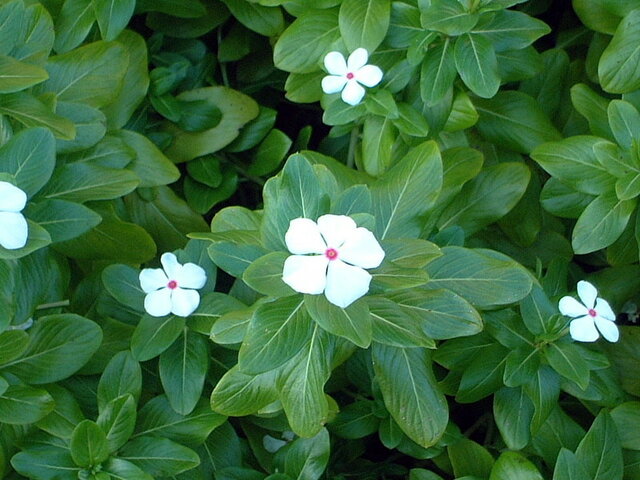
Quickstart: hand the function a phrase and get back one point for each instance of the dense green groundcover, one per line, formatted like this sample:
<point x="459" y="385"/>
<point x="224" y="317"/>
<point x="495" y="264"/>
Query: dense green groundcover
<point x="497" y="164"/>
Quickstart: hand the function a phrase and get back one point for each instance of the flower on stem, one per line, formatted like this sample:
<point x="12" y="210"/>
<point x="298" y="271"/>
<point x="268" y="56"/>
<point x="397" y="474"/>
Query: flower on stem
<point x="172" y="288"/>
<point x="330" y="256"/>
<point x="591" y="313"/>
<point x="347" y="76"/>
<point x="13" y="226"/>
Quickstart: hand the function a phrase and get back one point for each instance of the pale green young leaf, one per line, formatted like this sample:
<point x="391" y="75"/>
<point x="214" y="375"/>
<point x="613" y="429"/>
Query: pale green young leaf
<point x="364" y="24"/>
<point x="463" y="114"/>
<point x="16" y="75"/>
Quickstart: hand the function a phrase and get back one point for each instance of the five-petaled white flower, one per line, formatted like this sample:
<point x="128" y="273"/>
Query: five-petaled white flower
<point x="330" y="256"/>
<point x="346" y="76"/>
<point x="171" y="289"/>
<point x="591" y="313"/>
<point x="13" y="226"/>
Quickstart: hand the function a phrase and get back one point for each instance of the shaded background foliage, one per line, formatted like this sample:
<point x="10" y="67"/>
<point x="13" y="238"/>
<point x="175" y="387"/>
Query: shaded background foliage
<point x="497" y="162"/>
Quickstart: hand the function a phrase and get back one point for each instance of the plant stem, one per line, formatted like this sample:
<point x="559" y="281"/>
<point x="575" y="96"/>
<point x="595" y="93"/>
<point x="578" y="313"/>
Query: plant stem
<point x="353" y="142"/>
<point x="61" y="303"/>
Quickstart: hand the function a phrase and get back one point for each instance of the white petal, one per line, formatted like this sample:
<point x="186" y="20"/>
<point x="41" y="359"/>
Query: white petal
<point x="14" y="230"/>
<point x="604" y="309"/>
<point x="608" y="329"/>
<point x="184" y="302"/>
<point x="333" y="83"/>
<point x="357" y="59"/>
<point x="170" y="264"/>
<point x="369" y="75"/>
<point x="587" y="293"/>
<point x="306" y="274"/>
<point x="352" y="93"/>
<point x="12" y="199"/>
<point x="345" y="283"/>
<point x="335" y="64"/>
<point x="362" y="249"/>
<point x="303" y="236"/>
<point x="583" y="329"/>
<point x="570" y="307"/>
<point x="151" y="279"/>
<point x="158" y="303"/>
<point x="191" y="275"/>
<point x="335" y="229"/>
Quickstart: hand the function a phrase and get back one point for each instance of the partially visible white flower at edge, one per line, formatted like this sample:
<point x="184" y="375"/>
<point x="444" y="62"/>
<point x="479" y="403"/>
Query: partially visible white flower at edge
<point x="172" y="288"/>
<point x="591" y="313"/>
<point x="330" y="256"/>
<point x="13" y="226"/>
<point x="347" y="76"/>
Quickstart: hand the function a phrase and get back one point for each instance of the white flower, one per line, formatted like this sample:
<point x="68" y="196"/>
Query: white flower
<point x="13" y="226"/>
<point x="168" y="288"/>
<point x="591" y="313"/>
<point x="330" y="256"/>
<point x="347" y="76"/>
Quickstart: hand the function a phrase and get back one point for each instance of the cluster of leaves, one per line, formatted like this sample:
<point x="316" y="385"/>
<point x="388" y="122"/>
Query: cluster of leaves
<point x="493" y="151"/>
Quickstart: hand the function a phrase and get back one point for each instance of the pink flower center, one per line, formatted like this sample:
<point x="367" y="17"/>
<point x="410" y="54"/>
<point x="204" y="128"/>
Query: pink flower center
<point x="350" y="76"/>
<point x="331" y="253"/>
<point x="592" y="312"/>
<point x="172" y="284"/>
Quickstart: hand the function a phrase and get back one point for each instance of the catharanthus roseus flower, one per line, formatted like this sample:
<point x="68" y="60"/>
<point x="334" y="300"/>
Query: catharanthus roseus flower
<point x="346" y="76"/>
<point x="330" y="256"/>
<point x="13" y="226"/>
<point x="591" y="313"/>
<point x="172" y="288"/>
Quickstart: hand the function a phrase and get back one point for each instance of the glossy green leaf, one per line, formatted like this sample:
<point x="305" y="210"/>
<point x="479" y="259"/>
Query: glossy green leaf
<point x="514" y="466"/>
<point x="513" y="412"/>
<point x="112" y="16"/>
<point x="238" y="394"/>
<point x="74" y="21"/>
<point x="624" y="120"/>
<point x="62" y="219"/>
<point x="410" y="392"/>
<point x="65" y="415"/>
<point x="16" y="75"/>
<point x="364" y="24"/>
<point x="437" y="72"/>
<point x="305" y="458"/>
<point x="568" y="467"/>
<point x="378" y="138"/>
<point x="477" y="65"/>
<point x="483" y="376"/>
<point x="159" y="457"/>
<point x="566" y="359"/>
<point x="267" y="21"/>
<point x="31" y="112"/>
<point x="22" y="404"/>
<point x="352" y="323"/>
<point x="626" y="417"/>
<point x="448" y="17"/>
<point x="510" y="29"/>
<point x="618" y="66"/>
<point x="88" y="444"/>
<point x="121" y="376"/>
<point x="600" y="452"/>
<point x="470" y="458"/>
<point x="120" y="469"/>
<point x="117" y="420"/>
<point x="46" y="463"/>
<point x="394" y="326"/>
<point x="154" y="335"/>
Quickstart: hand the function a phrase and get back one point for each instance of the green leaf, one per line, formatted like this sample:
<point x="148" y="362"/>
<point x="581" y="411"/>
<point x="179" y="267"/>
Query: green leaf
<point x="301" y="385"/>
<point x="277" y="332"/>
<point x="377" y="144"/>
<point x="82" y="182"/>
<point x="213" y="306"/>
<point x="60" y="344"/>
<point x="477" y="65"/>
<point x="475" y="275"/>
<point x="448" y="17"/>
<point x="30" y="157"/>
<point x="514" y="466"/>
<point x="624" y="120"/>
<point x="543" y="390"/>
<point x="488" y="197"/>
<point x="406" y="191"/>
<point x="410" y="392"/>
<point x="352" y="323"/>
<point x="306" y="41"/>
<point x="600" y="452"/>
<point x="183" y="367"/>
<point x="410" y="252"/>
<point x="117" y="420"/>
<point x="304" y="458"/>
<point x="38" y="238"/>
<point x="63" y="220"/>
<point x="237" y="109"/>
<point x="626" y="417"/>
<point x="383" y="104"/>
<point x="514" y="120"/>
<point x="568" y="467"/>
<point x="123" y="283"/>
<point x="121" y="376"/>
<point x="364" y="24"/>
<point x="440" y="313"/>
<point x="159" y="419"/>
<point x="31" y="112"/>
<point x="73" y="23"/>
<point x="510" y="29"/>
<point x="593" y="107"/>
<point x="13" y="343"/>
<point x="483" y="376"/>
<point x="88" y="444"/>
<point x="267" y="21"/>
<point x="197" y="115"/>
<point x="618" y="66"/>
<point x="601" y="223"/>
<point x="65" y="415"/>
<point x="238" y="394"/>
<point x="90" y="124"/>
<point x="113" y="16"/>
<point x="559" y="431"/>
<point x="469" y="458"/>
<point x="154" y="335"/>
<point x="437" y="73"/>
<point x="16" y="75"/>
<point x="120" y="469"/>
<point x="22" y="404"/>
<point x="463" y="114"/>
<point x="566" y="359"/>
<point x="513" y="412"/>
<point x="270" y="153"/>
<point x="410" y="121"/>
<point x="91" y="74"/>
<point x="159" y="457"/>
<point x="574" y="162"/>
<point x="356" y="420"/>
<point x="265" y="275"/>
<point x="394" y="326"/>
<point x="45" y="463"/>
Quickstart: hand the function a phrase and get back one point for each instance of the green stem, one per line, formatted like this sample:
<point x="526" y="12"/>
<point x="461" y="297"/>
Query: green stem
<point x="353" y="143"/>
<point x="61" y="303"/>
